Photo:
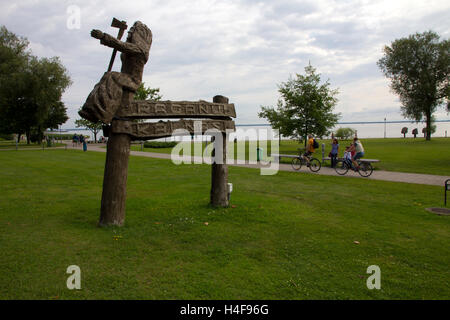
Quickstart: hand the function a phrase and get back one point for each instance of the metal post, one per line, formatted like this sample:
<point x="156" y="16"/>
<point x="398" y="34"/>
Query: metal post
<point x="447" y="187"/>
<point x="323" y="152"/>
<point x="385" y="128"/>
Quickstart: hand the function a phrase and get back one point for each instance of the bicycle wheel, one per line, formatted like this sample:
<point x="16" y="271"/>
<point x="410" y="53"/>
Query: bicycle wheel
<point x="296" y="163"/>
<point x="314" y="164"/>
<point x="365" y="169"/>
<point x="341" y="167"/>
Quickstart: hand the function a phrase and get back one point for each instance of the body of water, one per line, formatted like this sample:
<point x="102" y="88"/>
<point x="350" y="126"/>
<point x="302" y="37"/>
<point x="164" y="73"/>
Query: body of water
<point x="366" y="130"/>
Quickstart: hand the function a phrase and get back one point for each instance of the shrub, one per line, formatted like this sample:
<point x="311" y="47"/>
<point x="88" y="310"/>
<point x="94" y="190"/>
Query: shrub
<point x="160" y="144"/>
<point x="344" y="133"/>
<point x="6" y="136"/>
<point x="63" y="136"/>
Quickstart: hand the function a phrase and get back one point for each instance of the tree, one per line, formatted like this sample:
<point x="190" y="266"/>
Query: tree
<point x="305" y="107"/>
<point x="44" y="82"/>
<point x="345" y="133"/>
<point x="30" y="96"/>
<point x="56" y="116"/>
<point x="404" y="131"/>
<point x="13" y="62"/>
<point x="94" y="127"/>
<point x="432" y="127"/>
<point x="143" y="93"/>
<point x="419" y="70"/>
<point x="415" y="132"/>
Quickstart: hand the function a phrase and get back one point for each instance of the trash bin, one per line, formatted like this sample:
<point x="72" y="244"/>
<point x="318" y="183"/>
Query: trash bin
<point x="259" y="154"/>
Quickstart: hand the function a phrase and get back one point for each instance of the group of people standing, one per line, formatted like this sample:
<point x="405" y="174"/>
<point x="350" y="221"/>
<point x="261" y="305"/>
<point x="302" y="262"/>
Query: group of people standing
<point x="79" y="139"/>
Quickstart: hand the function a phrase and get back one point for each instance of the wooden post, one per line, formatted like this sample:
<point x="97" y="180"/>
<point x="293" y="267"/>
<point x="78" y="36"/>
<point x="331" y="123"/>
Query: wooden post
<point x="114" y="194"/>
<point x="115" y="180"/>
<point x="219" y="172"/>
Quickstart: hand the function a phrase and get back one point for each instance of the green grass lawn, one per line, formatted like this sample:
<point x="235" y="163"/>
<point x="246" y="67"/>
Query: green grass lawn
<point x="288" y="236"/>
<point x="8" y="144"/>
<point x="395" y="154"/>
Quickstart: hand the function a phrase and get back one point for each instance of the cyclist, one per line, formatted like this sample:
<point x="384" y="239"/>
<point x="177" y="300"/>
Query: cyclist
<point x="359" y="151"/>
<point x="309" y="148"/>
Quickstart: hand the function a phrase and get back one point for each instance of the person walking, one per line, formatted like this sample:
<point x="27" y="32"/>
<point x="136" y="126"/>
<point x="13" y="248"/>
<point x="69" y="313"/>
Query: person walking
<point x="74" y="140"/>
<point x="334" y="152"/>
<point x="83" y="142"/>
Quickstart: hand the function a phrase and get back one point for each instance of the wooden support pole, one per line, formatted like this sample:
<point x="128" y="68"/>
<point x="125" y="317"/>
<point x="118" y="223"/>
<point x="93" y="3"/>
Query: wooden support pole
<point x="115" y="180"/>
<point x="114" y="194"/>
<point x="219" y="172"/>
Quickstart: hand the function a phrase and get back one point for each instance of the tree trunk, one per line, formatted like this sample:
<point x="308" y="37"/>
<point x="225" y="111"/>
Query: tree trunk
<point x="18" y="137"/>
<point x="115" y="180"/>
<point x="219" y="172"/>
<point x="306" y="134"/>
<point x="28" y="134"/>
<point x="428" y="136"/>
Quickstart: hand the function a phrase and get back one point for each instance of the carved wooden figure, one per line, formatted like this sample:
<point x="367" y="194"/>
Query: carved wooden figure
<point x="111" y="102"/>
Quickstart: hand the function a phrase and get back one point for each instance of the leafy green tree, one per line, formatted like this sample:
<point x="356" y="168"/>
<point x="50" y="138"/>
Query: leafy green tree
<point x="344" y="133"/>
<point x="94" y="127"/>
<point x="146" y="93"/>
<point x="143" y="93"/>
<point x="419" y="70"/>
<point x="30" y="96"/>
<point x="43" y="86"/>
<point x="305" y="107"/>
<point x="56" y="116"/>
<point x="14" y="57"/>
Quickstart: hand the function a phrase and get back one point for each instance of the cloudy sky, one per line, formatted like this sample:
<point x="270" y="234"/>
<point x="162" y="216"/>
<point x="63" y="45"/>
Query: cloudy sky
<point x="239" y="49"/>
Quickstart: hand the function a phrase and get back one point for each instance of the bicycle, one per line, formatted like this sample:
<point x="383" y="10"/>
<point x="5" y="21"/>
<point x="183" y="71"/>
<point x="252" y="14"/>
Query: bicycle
<point x="313" y="163"/>
<point x="365" y="168"/>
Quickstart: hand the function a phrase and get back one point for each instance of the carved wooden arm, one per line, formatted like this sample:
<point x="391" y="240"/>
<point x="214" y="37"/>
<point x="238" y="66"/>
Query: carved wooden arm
<point x="114" y="43"/>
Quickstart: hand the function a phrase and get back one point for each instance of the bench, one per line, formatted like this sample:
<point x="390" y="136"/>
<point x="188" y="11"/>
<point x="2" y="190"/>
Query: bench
<point x="362" y="159"/>
<point x="277" y="157"/>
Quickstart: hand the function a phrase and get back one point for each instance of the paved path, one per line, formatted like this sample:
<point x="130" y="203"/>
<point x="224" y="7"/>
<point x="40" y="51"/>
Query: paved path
<point x="418" y="178"/>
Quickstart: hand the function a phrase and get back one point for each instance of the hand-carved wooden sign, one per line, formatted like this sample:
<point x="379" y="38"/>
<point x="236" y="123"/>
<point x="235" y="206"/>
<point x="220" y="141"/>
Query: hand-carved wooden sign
<point x="147" y="109"/>
<point x="111" y="102"/>
<point x="162" y="129"/>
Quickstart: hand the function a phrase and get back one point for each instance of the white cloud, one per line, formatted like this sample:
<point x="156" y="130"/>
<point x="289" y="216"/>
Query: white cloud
<point x="241" y="49"/>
